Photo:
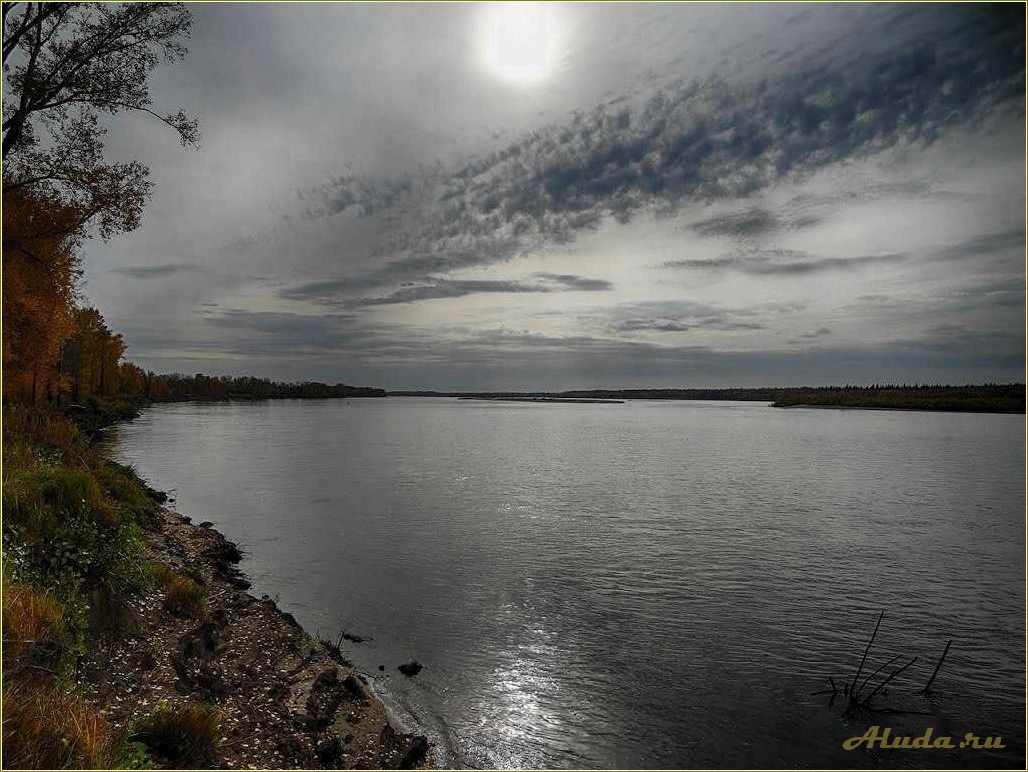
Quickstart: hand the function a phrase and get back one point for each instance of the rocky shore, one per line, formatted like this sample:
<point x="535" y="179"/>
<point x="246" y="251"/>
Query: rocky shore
<point x="286" y="700"/>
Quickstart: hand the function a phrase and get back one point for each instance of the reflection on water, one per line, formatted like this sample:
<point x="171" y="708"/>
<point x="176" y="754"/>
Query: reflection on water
<point x="649" y="584"/>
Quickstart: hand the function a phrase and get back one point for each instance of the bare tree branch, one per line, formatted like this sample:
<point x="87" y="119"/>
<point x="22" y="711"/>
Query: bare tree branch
<point x="66" y="63"/>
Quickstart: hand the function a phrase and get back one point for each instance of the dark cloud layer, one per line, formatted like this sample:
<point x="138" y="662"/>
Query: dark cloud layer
<point x="779" y="262"/>
<point x="698" y="141"/>
<point x="762" y="265"/>
<point x="434" y="289"/>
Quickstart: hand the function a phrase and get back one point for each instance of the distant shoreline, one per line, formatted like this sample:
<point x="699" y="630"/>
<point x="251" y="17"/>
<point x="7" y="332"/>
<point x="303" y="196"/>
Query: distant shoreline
<point x="547" y="399"/>
<point x="905" y="409"/>
<point x="983" y="398"/>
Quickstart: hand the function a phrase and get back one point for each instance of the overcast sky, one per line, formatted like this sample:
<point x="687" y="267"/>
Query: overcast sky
<point x="470" y="196"/>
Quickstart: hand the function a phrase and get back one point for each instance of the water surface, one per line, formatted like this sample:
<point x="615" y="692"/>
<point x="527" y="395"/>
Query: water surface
<point x="654" y="584"/>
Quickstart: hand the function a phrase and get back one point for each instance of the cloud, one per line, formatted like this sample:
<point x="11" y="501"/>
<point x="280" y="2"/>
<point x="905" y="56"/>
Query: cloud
<point x="448" y="288"/>
<point x="156" y="271"/>
<point x="672" y="325"/>
<point x="678" y="316"/>
<point x="820" y="332"/>
<point x="572" y="283"/>
<point x="279" y="323"/>
<point x="1008" y="240"/>
<point x="703" y="140"/>
<point x="430" y="288"/>
<point x="768" y="262"/>
<point x="762" y="264"/>
<point x="752" y="222"/>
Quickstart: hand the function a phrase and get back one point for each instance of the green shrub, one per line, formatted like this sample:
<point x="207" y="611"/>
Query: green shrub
<point x="62" y="534"/>
<point x="184" y="735"/>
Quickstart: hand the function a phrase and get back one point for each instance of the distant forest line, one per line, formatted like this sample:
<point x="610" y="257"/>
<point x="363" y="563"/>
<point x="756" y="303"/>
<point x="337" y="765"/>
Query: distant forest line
<point x="985" y="398"/>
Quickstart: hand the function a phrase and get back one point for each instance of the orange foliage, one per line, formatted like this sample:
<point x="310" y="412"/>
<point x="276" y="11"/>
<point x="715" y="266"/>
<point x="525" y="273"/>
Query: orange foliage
<point x="92" y="354"/>
<point x="40" y="271"/>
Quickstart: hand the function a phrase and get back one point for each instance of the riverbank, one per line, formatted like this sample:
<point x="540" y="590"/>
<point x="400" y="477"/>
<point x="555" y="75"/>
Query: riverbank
<point x="285" y="699"/>
<point x="130" y="640"/>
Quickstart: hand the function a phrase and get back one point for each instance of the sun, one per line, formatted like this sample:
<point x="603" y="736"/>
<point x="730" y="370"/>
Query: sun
<point x="519" y="41"/>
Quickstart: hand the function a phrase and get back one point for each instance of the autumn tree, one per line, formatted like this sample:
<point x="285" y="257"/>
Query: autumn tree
<point x="67" y="68"/>
<point x="39" y="275"/>
<point x="91" y="356"/>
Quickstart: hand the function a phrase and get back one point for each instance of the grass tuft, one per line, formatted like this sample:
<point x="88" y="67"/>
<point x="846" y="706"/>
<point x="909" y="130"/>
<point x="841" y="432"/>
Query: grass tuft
<point x="30" y="619"/>
<point x="184" y="596"/>
<point x="161" y="573"/>
<point x="42" y="427"/>
<point x="185" y="734"/>
<point x="46" y="729"/>
<point x="40" y="500"/>
<point x="124" y="487"/>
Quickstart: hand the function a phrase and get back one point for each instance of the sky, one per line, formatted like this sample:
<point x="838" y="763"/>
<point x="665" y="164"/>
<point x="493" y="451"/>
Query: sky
<point x="554" y="196"/>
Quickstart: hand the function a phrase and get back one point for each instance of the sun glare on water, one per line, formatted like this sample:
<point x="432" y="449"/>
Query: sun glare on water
<point x="519" y="41"/>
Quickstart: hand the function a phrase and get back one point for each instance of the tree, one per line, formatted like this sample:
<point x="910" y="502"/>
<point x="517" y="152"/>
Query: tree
<point x="66" y="64"/>
<point x="39" y="274"/>
<point x="91" y="356"/>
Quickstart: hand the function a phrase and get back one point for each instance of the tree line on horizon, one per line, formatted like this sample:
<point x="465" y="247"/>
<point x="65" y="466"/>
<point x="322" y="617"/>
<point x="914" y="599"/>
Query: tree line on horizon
<point x="989" y="397"/>
<point x="985" y="398"/>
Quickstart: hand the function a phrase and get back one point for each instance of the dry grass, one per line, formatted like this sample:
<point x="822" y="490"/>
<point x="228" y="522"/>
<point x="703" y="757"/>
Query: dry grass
<point x="29" y="618"/>
<point x="46" y="729"/>
<point x="162" y="573"/>
<point x="183" y="735"/>
<point x="40" y="426"/>
<point x="184" y="596"/>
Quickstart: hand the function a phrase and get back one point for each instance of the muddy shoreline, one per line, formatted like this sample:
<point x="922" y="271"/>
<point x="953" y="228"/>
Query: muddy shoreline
<point x="286" y="699"/>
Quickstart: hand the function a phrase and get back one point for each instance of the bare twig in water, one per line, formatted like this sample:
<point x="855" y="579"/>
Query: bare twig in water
<point x="892" y="675"/>
<point x="854" y="689"/>
<point x="833" y="691"/>
<point x="876" y="672"/>
<point x="860" y="667"/>
<point x="935" y="672"/>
